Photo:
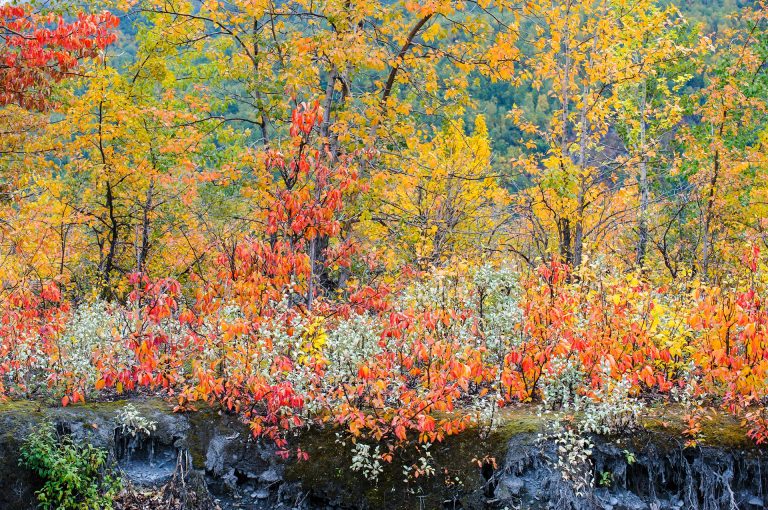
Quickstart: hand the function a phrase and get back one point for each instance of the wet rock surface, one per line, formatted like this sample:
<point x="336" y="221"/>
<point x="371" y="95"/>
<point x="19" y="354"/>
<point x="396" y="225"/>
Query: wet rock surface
<point x="645" y="471"/>
<point x="648" y="470"/>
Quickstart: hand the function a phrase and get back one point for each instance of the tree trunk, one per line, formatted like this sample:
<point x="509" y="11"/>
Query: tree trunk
<point x="564" y="226"/>
<point x="706" y="250"/>
<point x="113" y="237"/>
<point x="642" y="228"/>
<point x="143" y="251"/>
<point x="581" y="194"/>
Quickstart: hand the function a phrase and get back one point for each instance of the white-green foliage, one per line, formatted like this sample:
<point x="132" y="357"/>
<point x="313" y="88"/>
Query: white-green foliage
<point x="437" y="290"/>
<point x="486" y="409"/>
<point x="498" y="302"/>
<point x="92" y="327"/>
<point x="286" y="337"/>
<point x="423" y="465"/>
<point x="284" y="334"/>
<point x="561" y="385"/>
<point x="289" y="334"/>
<point x="612" y="409"/>
<point x="687" y="394"/>
<point x="133" y="423"/>
<point x="573" y="460"/>
<point x="607" y="409"/>
<point x="351" y="342"/>
<point x="368" y="461"/>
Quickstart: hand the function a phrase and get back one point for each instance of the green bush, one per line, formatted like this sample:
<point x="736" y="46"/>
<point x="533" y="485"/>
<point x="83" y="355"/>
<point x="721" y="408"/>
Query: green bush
<point x="75" y="476"/>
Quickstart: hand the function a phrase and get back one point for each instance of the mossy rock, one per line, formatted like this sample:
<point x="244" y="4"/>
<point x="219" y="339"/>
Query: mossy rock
<point x="718" y="429"/>
<point x="462" y="462"/>
<point x="92" y="422"/>
<point x="218" y="441"/>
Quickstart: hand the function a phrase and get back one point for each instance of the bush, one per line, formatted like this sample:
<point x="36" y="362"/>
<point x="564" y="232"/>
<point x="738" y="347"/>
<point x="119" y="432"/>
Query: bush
<point x="76" y="476"/>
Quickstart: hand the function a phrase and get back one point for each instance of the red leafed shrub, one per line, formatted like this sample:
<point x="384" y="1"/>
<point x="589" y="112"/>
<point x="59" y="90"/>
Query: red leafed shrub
<point x="37" y="51"/>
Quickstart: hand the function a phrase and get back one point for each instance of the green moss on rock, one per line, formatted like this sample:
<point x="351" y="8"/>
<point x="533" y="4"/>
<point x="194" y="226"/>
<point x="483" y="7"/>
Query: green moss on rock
<point x="457" y="460"/>
<point x="718" y="429"/>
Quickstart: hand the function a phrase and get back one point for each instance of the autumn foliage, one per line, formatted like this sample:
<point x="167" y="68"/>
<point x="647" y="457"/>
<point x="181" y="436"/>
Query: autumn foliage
<point x="281" y="229"/>
<point x="40" y="50"/>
